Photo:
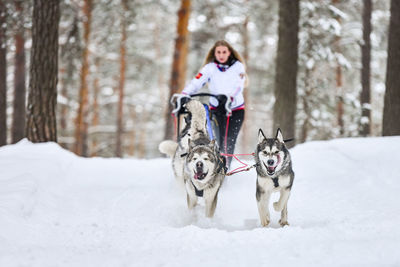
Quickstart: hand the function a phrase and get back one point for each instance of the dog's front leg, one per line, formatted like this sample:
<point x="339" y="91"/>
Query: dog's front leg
<point x="210" y="199"/>
<point x="281" y="206"/>
<point x="283" y="198"/>
<point x="262" y="197"/>
<point x="191" y="201"/>
<point x="284" y="217"/>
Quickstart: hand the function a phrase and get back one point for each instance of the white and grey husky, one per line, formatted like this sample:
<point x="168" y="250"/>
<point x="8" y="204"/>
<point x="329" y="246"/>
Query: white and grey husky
<point x="204" y="173"/>
<point x="196" y="160"/>
<point x="274" y="174"/>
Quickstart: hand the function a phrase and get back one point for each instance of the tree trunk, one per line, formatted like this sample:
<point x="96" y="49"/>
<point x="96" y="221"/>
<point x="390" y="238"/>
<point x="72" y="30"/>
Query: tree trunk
<point x="118" y="147"/>
<point x="18" y="117"/>
<point x="246" y="123"/>
<point x="95" y="113"/>
<point x="339" y="82"/>
<point x="286" y="68"/>
<point x="132" y="138"/>
<point x="141" y="150"/>
<point x="81" y="130"/>
<point x="160" y="72"/>
<point x="339" y="99"/>
<point x="42" y="100"/>
<point x="178" y="61"/>
<point x="308" y="87"/>
<point x="67" y="73"/>
<point x="391" y="110"/>
<point x="3" y="75"/>
<point x="366" y="71"/>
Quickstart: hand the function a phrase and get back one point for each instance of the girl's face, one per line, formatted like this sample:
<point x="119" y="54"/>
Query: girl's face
<point x="222" y="54"/>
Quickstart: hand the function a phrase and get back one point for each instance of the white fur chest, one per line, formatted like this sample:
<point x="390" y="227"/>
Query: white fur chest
<point x="268" y="184"/>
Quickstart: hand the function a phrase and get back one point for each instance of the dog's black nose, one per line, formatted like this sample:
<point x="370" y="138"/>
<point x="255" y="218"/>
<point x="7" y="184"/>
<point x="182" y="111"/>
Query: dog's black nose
<point x="270" y="162"/>
<point x="199" y="164"/>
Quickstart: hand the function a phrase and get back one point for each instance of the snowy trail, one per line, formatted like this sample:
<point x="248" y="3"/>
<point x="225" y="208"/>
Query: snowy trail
<point x="57" y="209"/>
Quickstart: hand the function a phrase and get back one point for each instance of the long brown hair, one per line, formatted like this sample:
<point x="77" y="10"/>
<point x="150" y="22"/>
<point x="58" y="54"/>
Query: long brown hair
<point x="211" y="53"/>
<point x="211" y="56"/>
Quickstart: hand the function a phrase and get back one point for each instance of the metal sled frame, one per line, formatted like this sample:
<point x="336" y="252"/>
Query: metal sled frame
<point x="212" y="124"/>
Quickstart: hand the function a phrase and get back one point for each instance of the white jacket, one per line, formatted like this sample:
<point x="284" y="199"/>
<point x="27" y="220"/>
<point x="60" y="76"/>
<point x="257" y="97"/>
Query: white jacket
<point x="229" y="82"/>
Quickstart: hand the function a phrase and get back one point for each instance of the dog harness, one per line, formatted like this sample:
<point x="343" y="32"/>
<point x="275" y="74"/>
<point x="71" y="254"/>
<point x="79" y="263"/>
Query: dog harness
<point x="276" y="182"/>
<point x="198" y="192"/>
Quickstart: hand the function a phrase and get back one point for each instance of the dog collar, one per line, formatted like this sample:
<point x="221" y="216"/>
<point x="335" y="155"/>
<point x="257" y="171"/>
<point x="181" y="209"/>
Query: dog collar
<point x="198" y="192"/>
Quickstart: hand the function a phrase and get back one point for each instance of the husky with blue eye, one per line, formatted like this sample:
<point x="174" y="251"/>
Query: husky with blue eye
<point x="274" y="174"/>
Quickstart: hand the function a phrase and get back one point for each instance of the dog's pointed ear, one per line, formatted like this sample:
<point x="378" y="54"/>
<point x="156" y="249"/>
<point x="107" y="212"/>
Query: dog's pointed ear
<point x="212" y="143"/>
<point x="261" y="136"/>
<point x="190" y="144"/>
<point x="279" y="136"/>
<point x="216" y="147"/>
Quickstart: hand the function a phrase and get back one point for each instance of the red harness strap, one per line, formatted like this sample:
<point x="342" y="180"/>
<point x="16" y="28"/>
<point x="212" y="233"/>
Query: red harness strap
<point x="242" y="168"/>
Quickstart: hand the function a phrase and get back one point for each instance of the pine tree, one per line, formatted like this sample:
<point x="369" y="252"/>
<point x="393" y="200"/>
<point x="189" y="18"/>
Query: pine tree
<point x="179" y="60"/>
<point x="18" y="117"/>
<point x="3" y="75"/>
<point x="286" y="68"/>
<point x="81" y="130"/>
<point x="42" y="100"/>
<point x="121" y="86"/>
<point x="339" y="78"/>
<point x="366" y="71"/>
<point x="391" y="111"/>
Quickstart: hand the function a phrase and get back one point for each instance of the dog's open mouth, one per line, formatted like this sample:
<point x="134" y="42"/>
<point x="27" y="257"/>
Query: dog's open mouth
<point x="200" y="175"/>
<point x="270" y="169"/>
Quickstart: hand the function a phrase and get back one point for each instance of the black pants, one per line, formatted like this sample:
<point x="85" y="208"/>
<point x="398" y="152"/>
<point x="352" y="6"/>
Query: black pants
<point x="235" y="123"/>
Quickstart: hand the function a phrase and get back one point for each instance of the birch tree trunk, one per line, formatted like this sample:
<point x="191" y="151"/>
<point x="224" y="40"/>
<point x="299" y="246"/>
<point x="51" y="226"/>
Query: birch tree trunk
<point x="179" y="60"/>
<point x="286" y="69"/>
<point x="391" y="110"/>
<point x="81" y="130"/>
<point x="42" y="100"/>
<point x="18" y="116"/>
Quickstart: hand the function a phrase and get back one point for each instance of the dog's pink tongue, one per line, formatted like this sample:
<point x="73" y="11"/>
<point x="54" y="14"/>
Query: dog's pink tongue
<point x="271" y="169"/>
<point x="197" y="175"/>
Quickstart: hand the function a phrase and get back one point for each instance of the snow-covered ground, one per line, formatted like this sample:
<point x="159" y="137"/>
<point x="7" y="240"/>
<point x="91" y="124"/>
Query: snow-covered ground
<point x="57" y="209"/>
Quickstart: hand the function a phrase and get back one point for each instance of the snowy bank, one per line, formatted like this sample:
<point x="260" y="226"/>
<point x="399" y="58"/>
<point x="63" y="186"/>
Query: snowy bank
<point x="57" y="209"/>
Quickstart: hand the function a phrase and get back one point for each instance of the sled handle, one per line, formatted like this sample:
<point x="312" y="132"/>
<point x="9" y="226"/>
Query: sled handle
<point x="217" y="97"/>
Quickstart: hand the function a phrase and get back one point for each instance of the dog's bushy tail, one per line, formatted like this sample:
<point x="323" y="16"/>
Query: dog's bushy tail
<point x="168" y="147"/>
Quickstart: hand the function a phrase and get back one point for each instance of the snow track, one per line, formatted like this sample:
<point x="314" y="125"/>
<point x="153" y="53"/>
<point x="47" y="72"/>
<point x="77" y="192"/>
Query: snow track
<point x="57" y="209"/>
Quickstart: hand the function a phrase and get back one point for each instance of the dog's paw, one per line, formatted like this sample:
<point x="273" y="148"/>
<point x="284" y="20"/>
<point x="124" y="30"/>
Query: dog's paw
<point x="264" y="223"/>
<point x="283" y="223"/>
<point x="277" y="207"/>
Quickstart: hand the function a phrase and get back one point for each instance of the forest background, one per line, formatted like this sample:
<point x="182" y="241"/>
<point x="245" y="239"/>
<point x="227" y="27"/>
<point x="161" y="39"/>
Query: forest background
<point x="119" y="62"/>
